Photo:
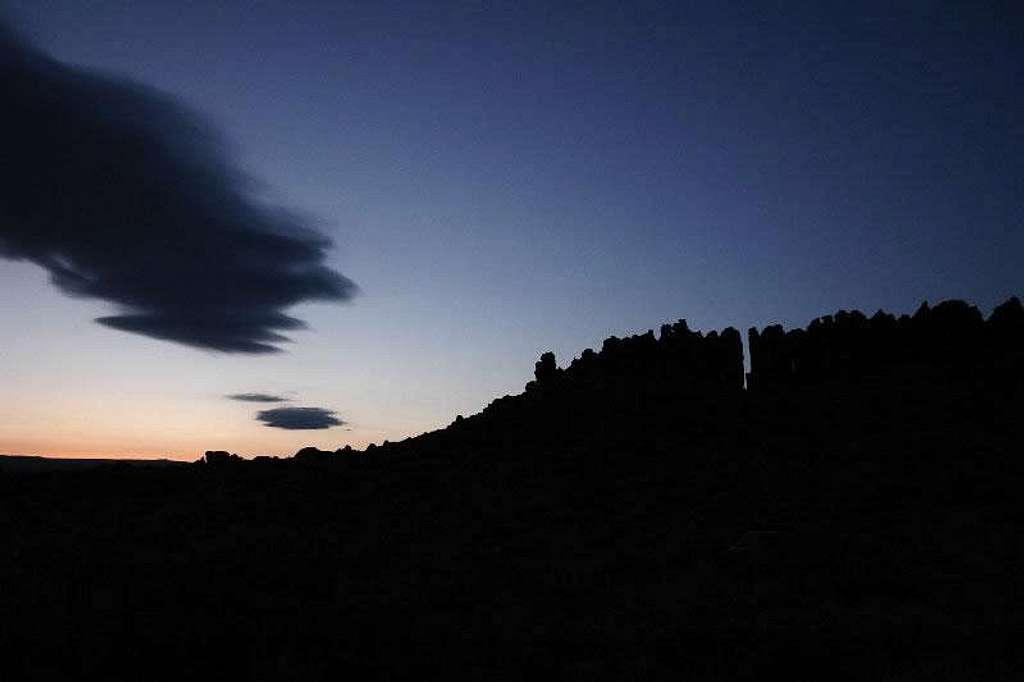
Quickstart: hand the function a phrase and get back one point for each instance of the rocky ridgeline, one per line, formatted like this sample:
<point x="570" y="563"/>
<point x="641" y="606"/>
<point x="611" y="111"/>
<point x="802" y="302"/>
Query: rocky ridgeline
<point x="951" y="337"/>
<point x="627" y="378"/>
<point x="680" y="359"/>
<point x="637" y="514"/>
<point x="682" y="371"/>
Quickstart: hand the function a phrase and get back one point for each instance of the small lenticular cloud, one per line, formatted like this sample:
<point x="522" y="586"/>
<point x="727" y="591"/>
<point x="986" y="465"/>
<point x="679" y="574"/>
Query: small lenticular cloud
<point x="257" y="398"/>
<point x="299" y="418"/>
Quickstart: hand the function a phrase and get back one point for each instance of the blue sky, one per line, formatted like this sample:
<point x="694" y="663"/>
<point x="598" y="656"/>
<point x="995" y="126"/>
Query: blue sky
<point x="502" y="179"/>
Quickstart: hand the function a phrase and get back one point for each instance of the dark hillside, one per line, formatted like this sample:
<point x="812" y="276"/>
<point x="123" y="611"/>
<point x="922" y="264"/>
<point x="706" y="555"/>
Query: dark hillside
<point x="852" y="514"/>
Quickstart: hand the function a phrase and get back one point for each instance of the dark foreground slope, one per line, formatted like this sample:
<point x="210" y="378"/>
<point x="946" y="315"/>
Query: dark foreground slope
<point x="855" y="515"/>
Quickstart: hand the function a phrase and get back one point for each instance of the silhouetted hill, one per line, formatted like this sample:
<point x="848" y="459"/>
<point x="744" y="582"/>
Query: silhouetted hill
<point x="639" y="514"/>
<point x="36" y="464"/>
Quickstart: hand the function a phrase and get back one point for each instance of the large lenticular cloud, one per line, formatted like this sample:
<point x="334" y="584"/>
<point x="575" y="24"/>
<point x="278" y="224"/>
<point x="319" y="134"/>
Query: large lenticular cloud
<point x="125" y="195"/>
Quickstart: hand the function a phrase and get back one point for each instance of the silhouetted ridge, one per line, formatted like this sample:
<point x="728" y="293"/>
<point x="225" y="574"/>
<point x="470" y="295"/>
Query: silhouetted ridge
<point x="679" y="361"/>
<point x="634" y="515"/>
<point x="640" y="377"/>
<point x="689" y="377"/>
<point x="697" y="379"/>
<point x="951" y="337"/>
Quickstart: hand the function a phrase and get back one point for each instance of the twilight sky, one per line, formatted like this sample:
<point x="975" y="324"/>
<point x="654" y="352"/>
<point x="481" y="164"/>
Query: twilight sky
<point x="497" y="179"/>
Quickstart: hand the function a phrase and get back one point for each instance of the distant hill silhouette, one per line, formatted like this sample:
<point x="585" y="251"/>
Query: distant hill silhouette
<point x="34" y="463"/>
<point x="847" y="510"/>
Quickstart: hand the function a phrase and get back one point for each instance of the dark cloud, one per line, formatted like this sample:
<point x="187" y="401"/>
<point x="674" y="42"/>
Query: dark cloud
<point x="299" y="418"/>
<point x="257" y="398"/>
<point x="125" y="195"/>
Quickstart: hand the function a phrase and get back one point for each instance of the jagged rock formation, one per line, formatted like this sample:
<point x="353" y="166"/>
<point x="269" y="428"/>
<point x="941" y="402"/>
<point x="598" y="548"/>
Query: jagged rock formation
<point x="848" y="346"/>
<point x="220" y="458"/>
<point x="635" y="515"/>
<point x="679" y="361"/>
<point x="683" y="375"/>
<point x="633" y="379"/>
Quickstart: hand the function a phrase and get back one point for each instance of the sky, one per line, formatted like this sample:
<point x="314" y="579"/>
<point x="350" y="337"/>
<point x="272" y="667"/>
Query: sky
<point x="453" y="188"/>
